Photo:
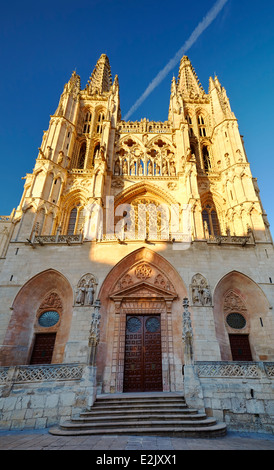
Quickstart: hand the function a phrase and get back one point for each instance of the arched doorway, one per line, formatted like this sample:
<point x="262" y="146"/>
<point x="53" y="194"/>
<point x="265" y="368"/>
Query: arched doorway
<point x="242" y="319"/>
<point x="141" y="325"/>
<point x="43" y="306"/>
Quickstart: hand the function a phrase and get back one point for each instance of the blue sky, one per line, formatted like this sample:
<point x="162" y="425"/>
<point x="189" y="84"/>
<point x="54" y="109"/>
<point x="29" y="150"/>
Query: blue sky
<point x="42" y="43"/>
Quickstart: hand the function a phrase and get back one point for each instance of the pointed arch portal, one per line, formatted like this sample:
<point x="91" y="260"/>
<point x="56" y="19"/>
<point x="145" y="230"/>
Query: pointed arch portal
<point x="47" y="290"/>
<point x="141" y="320"/>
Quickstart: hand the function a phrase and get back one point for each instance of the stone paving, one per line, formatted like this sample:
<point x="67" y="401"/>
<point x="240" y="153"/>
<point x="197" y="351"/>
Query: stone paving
<point x="42" y="440"/>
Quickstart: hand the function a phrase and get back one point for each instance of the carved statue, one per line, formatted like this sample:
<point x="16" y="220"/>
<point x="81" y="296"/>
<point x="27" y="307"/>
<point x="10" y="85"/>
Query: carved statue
<point x="201" y="295"/>
<point x="187" y="335"/>
<point x="140" y="168"/>
<point x="90" y="294"/>
<point x="60" y="157"/>
<point x="80" y="299"/>
<point x="85" y="292"/>
<point x="132" y="168"/>
<point x="172" y="169"/>
<point x="125" y="167"/>
<point x="206" y="296"/>
<point x="117" y="167"/>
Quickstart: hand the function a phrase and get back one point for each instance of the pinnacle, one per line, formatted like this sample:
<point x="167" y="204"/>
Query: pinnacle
<point x="100" y="80"/>
<point x="188" y="82"/>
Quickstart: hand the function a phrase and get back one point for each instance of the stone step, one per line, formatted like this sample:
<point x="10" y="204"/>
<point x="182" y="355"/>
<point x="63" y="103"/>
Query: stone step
<point x="136" y="417"/>
<point x="215" y="430"/>
<point x="125" y="412"/>
<point x="162" y="414"/>
<point x="135" y="424"/>
<point x="139" y="407"/>
<point x="138" y="401"/>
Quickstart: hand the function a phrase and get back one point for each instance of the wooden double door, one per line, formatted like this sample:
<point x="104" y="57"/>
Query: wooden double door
<point x="143" y="357"/>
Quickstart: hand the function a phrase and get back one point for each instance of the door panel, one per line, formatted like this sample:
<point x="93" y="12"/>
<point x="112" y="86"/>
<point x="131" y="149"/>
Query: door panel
<point x="240" y="348"/>
<point x="143" y="359"/>
<point x="43" y="348"/>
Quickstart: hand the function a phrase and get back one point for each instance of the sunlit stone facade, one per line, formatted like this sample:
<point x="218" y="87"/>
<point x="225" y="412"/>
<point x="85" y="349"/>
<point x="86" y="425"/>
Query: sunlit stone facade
<point x="126" y="220"/>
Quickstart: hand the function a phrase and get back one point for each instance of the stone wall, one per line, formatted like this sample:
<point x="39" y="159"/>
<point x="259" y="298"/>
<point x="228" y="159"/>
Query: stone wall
<point x="240" y="394"/>
<point x="36" y="397"/>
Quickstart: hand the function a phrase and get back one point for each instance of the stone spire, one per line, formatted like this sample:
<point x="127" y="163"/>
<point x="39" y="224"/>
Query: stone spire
<point x="188" y="82"/>
<point x="72" y="88"/>
<point x="220" y="102"/>
<point x="100" y="80"/>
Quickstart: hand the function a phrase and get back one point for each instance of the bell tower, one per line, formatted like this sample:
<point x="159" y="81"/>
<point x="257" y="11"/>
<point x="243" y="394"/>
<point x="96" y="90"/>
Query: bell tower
<point x="224" y="195"/>
<point x="71" y="169"/>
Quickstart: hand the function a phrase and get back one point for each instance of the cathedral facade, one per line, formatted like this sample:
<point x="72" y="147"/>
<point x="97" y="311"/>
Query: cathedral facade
<point x="125" y="226"/>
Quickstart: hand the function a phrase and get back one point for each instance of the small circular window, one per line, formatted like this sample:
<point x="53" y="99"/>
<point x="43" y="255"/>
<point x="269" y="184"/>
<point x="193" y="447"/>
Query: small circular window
<point x="133" y="324"/>
<point x="236" y="321"/>
<point x="152" y="325"/>
<point x="49" y="318"/>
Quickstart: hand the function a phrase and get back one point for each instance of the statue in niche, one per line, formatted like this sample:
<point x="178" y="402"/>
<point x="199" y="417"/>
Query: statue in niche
<point x="90" y="294"/>
<point x="81" y="292"/>
<point x="117" y="167"/>
<point x="149" y="170"/>
<point x="48" y="152"/>
<point x="206" y="231"/>
<point x="206" y="296"/>
<point x="85" y="293"/>
<point x="124" y="167"/>
<point x="201" y="294"/>
<point x="132" y="168"/>
<point x="158" y="169"/>
<point x="140" y="168"/>
<point x="165" y="169"/>
<point x="60" y="157"/>
<point x="172" y="169"/>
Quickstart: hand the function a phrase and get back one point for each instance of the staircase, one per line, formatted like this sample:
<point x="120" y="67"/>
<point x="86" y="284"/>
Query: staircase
<point x="163" y="414"/>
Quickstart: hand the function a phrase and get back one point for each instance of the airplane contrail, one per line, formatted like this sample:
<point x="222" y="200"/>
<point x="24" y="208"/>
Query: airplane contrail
<point x="202" y="26"/>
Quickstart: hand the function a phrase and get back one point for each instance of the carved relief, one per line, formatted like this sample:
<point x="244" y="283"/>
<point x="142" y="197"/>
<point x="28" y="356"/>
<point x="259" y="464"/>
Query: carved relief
<point x="126" y="281"/>
<point x="201" y="294"/>
<point x="160" y="281"/>
<point x="143" y="271"/>
<point x="52" y="301"/>
<point x="233" y="303"/>
<point x="86" y="289"/>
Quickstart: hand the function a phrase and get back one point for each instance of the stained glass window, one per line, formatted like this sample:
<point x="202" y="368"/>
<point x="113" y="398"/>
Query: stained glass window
<point x="49" y="318"/>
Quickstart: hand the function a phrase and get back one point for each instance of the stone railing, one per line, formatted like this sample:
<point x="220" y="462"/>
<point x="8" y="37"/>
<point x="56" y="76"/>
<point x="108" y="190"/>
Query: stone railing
<point x="66" y="239"/>
<point x="234" y="240"/>
<point x="145" y="126"/>
<point x="39" y="373"/>
<point x="251" y="370"/>
<point x="178" y="237"/>
<point x="81" y="171"/>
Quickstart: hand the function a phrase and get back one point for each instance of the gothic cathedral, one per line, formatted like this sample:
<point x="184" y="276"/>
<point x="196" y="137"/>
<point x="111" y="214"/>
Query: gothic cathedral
<point x="124" y="227"/>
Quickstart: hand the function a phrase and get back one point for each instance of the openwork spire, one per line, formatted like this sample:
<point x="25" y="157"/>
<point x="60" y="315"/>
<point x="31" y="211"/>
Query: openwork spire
<point x="100" y="80"/>
<point x="188" y="82"/>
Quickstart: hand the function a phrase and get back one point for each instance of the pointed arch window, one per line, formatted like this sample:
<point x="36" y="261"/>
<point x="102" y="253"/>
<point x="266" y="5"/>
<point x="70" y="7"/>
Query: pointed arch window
<point x="101" y="118"/>
<point x="210" y="220"/>
<point x="201" y="124"/>
<point x="76" y="220"/>
<point x="189" y="120"/>
<point x="206" y="158"/>
<point x="82" y="156"/>
<point x="96" y="152"/>
<point x="86" y="129"/>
